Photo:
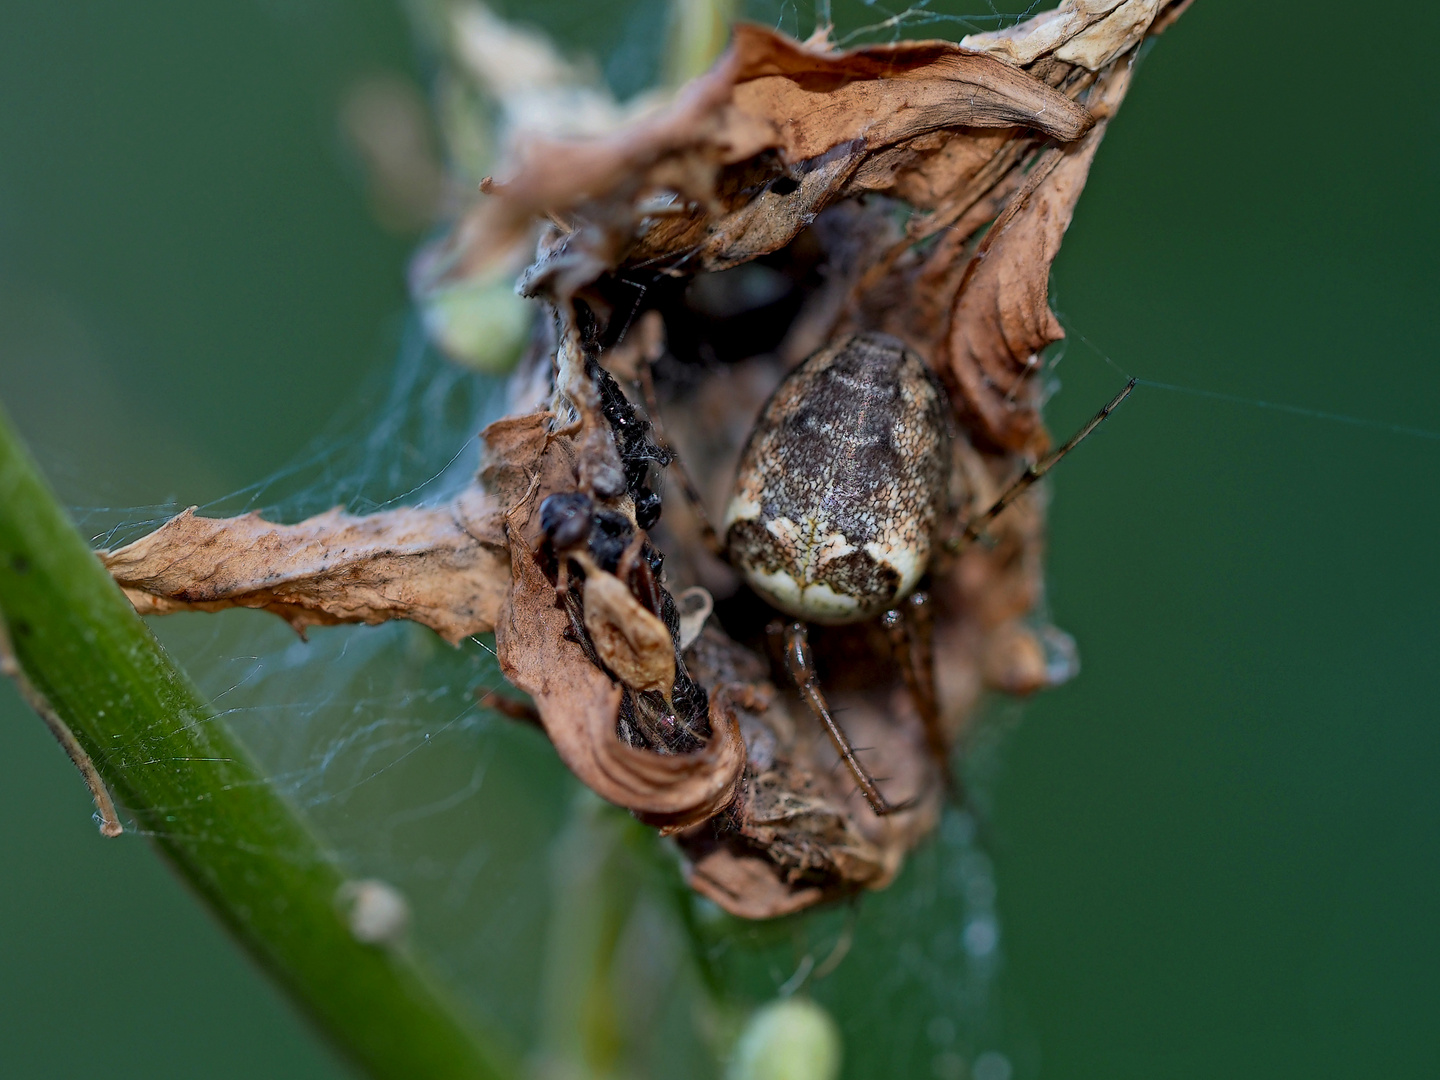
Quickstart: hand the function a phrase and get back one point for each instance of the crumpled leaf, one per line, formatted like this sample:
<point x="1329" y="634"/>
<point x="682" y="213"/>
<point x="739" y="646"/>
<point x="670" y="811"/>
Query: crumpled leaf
<point x="540" y="651"/>
<point x="969" y="162"/>
<point x="578" y="702"/>
<point x="632" y="642"/>
<point x="751" y="153"/>
<point x="1091" y="33"/>
<point x="445" y="568"/>
<point x="1001" y="319"/>
<point x="745" y="884"/>
<point x="1063" y="29"/>
<point x="767" y="93"/>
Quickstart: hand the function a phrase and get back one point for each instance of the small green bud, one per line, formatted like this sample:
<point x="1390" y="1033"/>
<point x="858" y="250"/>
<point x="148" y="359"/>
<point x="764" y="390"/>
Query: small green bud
<point x="792" y="1039"/>
<point x="479" y="322"/>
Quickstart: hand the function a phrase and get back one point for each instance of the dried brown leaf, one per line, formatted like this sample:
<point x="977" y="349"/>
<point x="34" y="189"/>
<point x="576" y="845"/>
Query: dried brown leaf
<point x="746" y="884"/>
<point x="523" y="462"/>
<point x="632" y="642"/>
<point x="578" y="703"/>
<point x="1042" y="34"/>
<point x="1001" y="319"/>
<point x="822" y="112"/>
<point x="445" y="568"/>
<point x="886" y="94"/>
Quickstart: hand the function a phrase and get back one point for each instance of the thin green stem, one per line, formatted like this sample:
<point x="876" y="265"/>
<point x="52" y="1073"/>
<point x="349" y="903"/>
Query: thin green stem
<point x="190" y="787"/>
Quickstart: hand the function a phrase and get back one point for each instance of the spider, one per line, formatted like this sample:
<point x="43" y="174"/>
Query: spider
<point x="837" y="509"/>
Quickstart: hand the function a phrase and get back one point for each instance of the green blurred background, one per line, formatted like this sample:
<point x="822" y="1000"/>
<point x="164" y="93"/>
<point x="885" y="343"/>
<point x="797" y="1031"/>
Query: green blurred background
<point x="1217" y="852"/>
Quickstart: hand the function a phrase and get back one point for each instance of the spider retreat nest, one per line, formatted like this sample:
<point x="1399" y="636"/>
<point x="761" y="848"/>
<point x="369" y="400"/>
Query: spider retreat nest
<point x="791" y="195"/>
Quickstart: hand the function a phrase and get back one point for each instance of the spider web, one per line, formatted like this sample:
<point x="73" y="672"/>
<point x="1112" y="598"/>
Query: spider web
<point x="381" y="738"/>
<point x="378" y="734"/>
<point x="860" y="21"/>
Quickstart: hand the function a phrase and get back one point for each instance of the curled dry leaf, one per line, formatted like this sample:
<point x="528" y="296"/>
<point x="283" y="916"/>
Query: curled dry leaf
<point x="445" y="568"/>
<point x="1090" y="33"/>
<point x="578" y="704"/>
<point x="631" y="642"/>
<point x="791" y="194"/>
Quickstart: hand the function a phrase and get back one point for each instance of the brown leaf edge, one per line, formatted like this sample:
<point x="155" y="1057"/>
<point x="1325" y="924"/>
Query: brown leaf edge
<point x="818" y="117"/>
<point x="445" y="568"/>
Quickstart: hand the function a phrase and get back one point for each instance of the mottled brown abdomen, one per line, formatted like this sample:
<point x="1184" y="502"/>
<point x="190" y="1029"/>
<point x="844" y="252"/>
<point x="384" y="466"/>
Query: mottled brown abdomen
<point x="842" y="482"/>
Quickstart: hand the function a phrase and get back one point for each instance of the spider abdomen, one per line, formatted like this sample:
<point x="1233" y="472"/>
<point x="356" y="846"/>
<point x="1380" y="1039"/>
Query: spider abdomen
<point x="842" y="483"/>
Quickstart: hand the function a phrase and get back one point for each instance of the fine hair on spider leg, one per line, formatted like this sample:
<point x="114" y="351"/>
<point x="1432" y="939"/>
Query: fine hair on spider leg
<point x="911" y="626"/>
<point x="801" y="667"/>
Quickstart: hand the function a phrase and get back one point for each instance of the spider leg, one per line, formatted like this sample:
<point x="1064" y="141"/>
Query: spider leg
<point x="802" y="670"/>
<point x="911" y="628"/>
<point x="976" y="525"/>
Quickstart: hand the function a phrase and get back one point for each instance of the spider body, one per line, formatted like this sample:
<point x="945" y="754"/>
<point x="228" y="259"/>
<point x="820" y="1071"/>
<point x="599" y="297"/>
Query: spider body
<point x="842" y="483"/>
<point x="838" y="498"/>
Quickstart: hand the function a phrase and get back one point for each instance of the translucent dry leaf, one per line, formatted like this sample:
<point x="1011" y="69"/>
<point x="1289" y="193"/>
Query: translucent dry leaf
<point x="444" y="568"/>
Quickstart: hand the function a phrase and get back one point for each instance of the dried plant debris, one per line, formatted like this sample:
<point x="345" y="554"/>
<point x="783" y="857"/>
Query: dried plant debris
<point x="790" y="197"/>
<point x="445" y="568"/>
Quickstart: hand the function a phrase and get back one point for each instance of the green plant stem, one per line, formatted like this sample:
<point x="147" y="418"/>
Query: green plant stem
<point x="192" y="789"/>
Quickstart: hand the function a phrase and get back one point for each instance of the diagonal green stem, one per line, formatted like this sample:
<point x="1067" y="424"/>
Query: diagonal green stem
<point x="192" y="789"/>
